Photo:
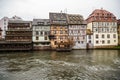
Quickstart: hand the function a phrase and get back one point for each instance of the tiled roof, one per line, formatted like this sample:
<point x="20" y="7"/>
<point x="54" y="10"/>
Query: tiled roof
<point x="101" y="15"/>
<point x="41" y="22"/>
<point x="75" y="19"/>
<point x="58" y="18"/>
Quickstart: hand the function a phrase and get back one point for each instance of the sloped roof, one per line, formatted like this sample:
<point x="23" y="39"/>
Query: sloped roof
<point x="58" y="18"/>
<point x="75" y="19"/>
<point x="44" y="21"/>
<point x="101" y="15"/>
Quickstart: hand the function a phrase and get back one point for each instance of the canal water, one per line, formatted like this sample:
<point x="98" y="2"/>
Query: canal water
<point x="51" y="65"/>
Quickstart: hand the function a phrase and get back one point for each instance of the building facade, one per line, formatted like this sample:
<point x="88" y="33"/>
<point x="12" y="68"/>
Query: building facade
<point x="103" y="24"/>
<point x="4" y="24"/>
<point x="18" y="36"/>
<point x="118" y="23"/>
<point x="58" y="30"/>
<point x="77" y="30"/>
<point x="41" y="31"/>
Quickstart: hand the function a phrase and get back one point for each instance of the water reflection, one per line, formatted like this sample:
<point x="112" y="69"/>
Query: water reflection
<point x="51" y="65"/>
<point x="104" y="56"/>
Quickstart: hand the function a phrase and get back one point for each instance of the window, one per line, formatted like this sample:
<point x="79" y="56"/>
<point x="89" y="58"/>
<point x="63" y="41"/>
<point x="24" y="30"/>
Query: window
<point x="89" y="36"/>
<point x="103" y="36"/>
<point x="107" y="29"/>
<point x="108" y="41"/>
<point x="114" y="40"/>
<point x="37" y="33"/>
<point x="4" y="19"/>
<point x="37" y="38"/>
<point x="96" y="29"/>
<point x="102" y="29"/>
<point x="114" y="35"/>
<point x="97" y="36"/>
<point x="45" y="33"/>
<point x="103" y="41"/>
<point x="89" y="41"/>
<point x="40" y="23"/>
<point x="61" y="32"/>
<point x="45" y="38"/>
<point x="82" y="42"/>
<point x="108" y="35"/>
<point x="83" y="37"/>
<point x="41" y="33"/>
<point x="54" y="32"/>
<point x="97" y="42"/>
<point x="55" y="42"/>
<point x="61" y="37"/>
<point x="4" y="23"/>
<point x="65" y="32"/>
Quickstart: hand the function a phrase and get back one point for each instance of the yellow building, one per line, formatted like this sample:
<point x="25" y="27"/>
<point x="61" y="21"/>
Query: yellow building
<point x="58" y="30"/>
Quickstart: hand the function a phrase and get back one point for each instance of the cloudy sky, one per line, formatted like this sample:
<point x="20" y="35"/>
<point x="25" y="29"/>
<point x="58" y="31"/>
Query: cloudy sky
<point x="29" y="9"/>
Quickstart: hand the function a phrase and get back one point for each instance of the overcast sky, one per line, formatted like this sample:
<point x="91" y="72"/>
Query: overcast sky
<point x="29" y="9"/>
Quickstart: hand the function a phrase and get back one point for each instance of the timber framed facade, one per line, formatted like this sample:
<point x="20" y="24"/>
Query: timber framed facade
<point x="77" y="30"/>
<point x="58" y="29"/>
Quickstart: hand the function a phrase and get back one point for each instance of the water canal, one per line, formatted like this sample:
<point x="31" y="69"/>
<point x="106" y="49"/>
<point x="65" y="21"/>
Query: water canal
<point x="51" y="65"/>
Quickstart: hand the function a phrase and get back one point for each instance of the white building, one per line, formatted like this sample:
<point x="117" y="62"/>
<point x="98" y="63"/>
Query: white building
<point x="41" y="31"/>
<point x="103" y="24"/>
<point x="77" y="30"/>
<point x="4" y="24"/>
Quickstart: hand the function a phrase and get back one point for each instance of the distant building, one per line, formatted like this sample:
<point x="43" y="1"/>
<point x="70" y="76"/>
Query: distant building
<point x="77" y="30"/>
<point x="103" y="24"/>
<point x="58" y="30"/>
<point x="41" y="32"/>
<point x="18" y="36"/>
<point x="4" y="24"/>
<point x="118" y="31"/>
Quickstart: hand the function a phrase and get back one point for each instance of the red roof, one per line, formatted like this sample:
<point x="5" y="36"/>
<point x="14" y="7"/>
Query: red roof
<point x="101" y="15"/>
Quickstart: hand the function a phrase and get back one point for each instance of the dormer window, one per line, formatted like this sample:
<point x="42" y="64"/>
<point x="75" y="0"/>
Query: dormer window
<point x="40" y="23"/>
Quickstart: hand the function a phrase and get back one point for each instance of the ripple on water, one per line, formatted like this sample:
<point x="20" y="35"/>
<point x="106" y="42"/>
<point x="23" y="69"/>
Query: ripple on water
<point x="100" y="68"/>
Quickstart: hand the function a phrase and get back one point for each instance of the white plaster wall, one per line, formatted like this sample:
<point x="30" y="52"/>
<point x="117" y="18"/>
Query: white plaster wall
<point x="105" y="39"/>
<point x="4" y="25"/>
